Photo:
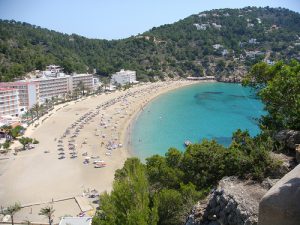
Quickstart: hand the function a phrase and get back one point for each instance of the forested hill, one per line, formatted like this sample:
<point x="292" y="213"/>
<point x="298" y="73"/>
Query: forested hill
<point x="220" y="42"/>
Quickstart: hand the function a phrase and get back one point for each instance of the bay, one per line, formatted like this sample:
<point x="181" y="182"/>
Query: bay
<point x="196" y="112"/>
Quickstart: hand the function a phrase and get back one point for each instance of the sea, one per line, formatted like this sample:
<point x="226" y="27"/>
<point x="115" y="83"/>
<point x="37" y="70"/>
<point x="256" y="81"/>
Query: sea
<point x="196" y="112"/>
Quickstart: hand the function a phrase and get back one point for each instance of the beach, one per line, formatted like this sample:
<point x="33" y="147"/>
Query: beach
<point x="95" y="128"/>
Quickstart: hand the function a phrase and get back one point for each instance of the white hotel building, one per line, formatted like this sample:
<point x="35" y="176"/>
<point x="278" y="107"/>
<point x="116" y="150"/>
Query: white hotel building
<point x="52" y="83"/>
<point x="28" y="93"/>
<point x="9" y="102"/>
<point x="53" y="87"/>
<point x="124" y="77"/>
<point x="86" y="79"/>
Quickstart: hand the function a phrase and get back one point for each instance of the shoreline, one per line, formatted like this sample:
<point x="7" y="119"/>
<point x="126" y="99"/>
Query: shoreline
<point x="127" y="132"/>
<point x="36" y="176"/>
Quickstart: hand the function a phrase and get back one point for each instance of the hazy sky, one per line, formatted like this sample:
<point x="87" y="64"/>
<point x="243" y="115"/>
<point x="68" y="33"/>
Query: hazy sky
<point x="114" y="19"/>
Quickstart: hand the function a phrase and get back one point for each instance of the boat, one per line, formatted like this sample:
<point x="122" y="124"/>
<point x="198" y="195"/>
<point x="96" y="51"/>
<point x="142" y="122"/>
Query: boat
<point x="100" y="165"/>
<point x="187" y="143"/>
<point x="98" y="161"/>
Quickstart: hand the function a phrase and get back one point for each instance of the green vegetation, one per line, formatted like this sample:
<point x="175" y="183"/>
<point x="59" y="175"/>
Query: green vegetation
<point x="164" y="189"/>
<point x="25" y="141"/>
<point x="6" y="144"/>
<point x="177" y="49"/>
<point x="13" y="132"/>
<point x="278" y="87"/>
<point x="129" y="202"/>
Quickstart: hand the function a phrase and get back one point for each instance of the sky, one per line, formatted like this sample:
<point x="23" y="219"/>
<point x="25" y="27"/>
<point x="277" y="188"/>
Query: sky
<point x="116" y="19"/>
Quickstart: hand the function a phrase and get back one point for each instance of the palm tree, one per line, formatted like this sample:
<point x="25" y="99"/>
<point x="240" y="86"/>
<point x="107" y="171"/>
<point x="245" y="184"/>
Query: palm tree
<point x="37" y="108"/>
<point x="69" y="95"/>
<point x="31" y="112"/>
<point x="81" y="87"/>
<point x="11" y="210"/>
<point x="26" y="116"/>
<point x="105" y="82"/>
<point x="47" y="212"/>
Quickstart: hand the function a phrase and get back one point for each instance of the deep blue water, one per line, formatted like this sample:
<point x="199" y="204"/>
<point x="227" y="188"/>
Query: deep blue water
<point x="208" y="110"/>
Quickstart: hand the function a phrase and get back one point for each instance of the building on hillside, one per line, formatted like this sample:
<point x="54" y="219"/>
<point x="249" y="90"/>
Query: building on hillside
<point x="217" y="46"/>
<point x="217" y="26"/>
<point x="253" y="41"/>
<point x="225" y="52"/>
<point x="75" y="221"/>
<point x="53" y="71"/>
<point x="9" y="102"/>
<point x="28" y="92"/>
<point x="202" y="26"/>
<point x="124" y="77"/>
<point x="202" y="15"/>
<point x="258" y="20"/>
<point x="253" y="54"/>
<point x="269" y="62"/>
<point x="86" y="79"/>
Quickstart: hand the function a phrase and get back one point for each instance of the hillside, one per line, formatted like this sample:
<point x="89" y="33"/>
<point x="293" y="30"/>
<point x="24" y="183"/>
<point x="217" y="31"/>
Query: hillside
<point x="221" y="42"/>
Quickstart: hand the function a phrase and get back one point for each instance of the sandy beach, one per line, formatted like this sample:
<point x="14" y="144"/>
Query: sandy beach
<point x="80" y="132"/>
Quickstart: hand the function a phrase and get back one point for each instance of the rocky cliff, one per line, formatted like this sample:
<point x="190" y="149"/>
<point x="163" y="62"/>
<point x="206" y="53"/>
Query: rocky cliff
<point x="233" y="202"/>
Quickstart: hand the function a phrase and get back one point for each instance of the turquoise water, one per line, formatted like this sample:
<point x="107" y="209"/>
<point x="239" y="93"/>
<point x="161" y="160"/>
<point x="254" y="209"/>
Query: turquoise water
<point x="208" y="110"/>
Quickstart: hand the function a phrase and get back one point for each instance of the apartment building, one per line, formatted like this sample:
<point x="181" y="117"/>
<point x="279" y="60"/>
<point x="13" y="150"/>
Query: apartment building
<point x="9" y="102"/>
<point x="53" y="86"/>
<point x="86" y="79"/>
<point x="124" y="77"/>
<point x="28" y="92"/>
<point x="52" y="83"/>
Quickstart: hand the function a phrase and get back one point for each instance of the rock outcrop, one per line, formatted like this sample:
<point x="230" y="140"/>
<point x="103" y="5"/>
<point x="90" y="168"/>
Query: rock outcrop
<point x="234" y="202"/>
<point x="281" y="204"/>
<point x="297" y="153"/>
<point x="289" y="138"/>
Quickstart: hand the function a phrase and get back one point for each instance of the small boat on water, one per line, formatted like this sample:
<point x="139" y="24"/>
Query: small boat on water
<point x="187" y="143"/>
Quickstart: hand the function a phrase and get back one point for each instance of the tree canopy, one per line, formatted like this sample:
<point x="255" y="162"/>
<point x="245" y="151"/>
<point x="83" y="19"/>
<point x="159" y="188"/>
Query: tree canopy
<point x="178" y="49"/>
<point x="278" y="86"/>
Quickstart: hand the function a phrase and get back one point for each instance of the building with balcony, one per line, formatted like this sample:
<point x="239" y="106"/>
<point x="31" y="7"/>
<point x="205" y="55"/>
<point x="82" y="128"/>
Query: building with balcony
<point x="86" y="79"/>
<point x="52" y="83"/>
<point x="9" y="102"/>
<point x="124" y="77"/>
<point x="53" y="86"/>
<point x="28" y="93"/>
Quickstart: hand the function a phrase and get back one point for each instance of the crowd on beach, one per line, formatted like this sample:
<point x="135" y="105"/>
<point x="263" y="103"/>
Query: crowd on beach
<point x="108" y="125"/>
